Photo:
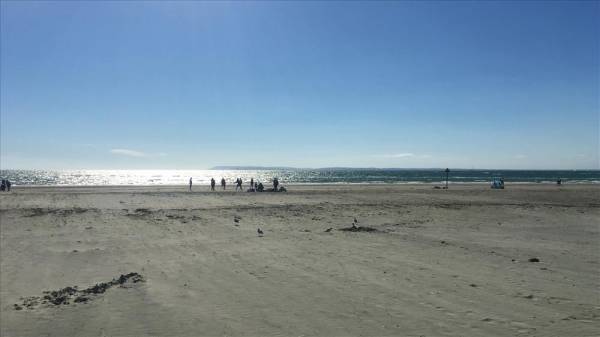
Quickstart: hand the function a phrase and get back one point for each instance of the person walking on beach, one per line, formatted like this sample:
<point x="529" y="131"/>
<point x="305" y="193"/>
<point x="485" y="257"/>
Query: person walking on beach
<point x="190" y="184"/>
<point x="212" y="184"/>
<point x="275" y="184"/>
<point x="8" y="184"/>
<point x="223" y="183"/>
<point x="251" y="183"/>
<point x="239" y="184"/>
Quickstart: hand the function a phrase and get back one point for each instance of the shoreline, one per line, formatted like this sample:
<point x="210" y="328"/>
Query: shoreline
<point x="317" y="185"/>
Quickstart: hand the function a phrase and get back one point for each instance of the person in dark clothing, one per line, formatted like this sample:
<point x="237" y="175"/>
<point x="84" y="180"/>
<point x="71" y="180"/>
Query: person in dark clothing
<point x="239" y="184"/>
<point x="8" y="184"/>
<point x="212" y="184"/>
<point x="260" y="187"/>
<point x="223" y="183"/>
<point x="275" y="184"/>
<point x="251" y="183"/>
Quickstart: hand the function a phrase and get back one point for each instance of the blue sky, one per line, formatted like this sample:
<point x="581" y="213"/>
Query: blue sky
<point x="308" y="84"/>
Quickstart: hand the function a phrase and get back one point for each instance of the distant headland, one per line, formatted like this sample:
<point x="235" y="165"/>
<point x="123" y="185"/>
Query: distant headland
<point x="253" y="168"/>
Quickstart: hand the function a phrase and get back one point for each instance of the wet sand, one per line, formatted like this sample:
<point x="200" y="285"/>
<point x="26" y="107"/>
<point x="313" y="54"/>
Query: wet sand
<point x="437" y="262"/>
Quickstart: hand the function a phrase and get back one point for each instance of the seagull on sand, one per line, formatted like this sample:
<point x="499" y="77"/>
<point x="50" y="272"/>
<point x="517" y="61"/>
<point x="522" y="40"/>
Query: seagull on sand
<point x="260" y="232"/>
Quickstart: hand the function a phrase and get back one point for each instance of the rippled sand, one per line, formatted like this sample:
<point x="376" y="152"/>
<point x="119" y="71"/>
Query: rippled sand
<point x="438" y="263"/>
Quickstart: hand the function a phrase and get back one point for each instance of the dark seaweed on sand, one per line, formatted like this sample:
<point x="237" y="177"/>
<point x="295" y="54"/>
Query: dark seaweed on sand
<point x="64" y="295"/>
<point x="358" y="229"/>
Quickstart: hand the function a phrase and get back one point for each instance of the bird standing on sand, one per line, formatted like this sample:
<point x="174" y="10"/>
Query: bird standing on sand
<point x="260" y="232"/>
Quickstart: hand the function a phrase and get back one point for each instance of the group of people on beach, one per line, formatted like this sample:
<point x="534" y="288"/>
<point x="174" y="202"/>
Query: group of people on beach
<point x="5" y="185"/>
<point x="255" y="186"/>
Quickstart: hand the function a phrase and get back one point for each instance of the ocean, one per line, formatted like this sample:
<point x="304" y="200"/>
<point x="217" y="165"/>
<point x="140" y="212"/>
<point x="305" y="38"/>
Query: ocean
<point x="292" y="176"/>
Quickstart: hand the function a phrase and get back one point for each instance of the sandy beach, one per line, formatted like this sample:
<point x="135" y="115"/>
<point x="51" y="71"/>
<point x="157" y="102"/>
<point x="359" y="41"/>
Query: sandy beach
<point x="469" y="261"/>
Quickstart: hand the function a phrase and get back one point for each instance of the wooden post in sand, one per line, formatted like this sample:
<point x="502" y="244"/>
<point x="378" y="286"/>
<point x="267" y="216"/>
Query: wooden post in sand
<point x="447" y="171"/>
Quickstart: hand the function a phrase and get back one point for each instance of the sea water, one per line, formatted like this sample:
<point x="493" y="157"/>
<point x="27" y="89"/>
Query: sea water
<point x="292" y="176"/>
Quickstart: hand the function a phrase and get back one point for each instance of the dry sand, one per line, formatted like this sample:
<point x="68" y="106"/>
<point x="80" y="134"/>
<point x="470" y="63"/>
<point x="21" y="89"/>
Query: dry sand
<point x="441" y="263"/>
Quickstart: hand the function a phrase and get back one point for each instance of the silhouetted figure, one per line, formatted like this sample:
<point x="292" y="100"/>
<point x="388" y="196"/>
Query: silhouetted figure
<point x="260" y="232"/>
<point x="212" y="184"/>
<point x="558" y="182"/>
<point x="255" y="186"/>
<point x="223" y="183"/>
<point x="275" y="184"/>
<point x="3" y="185"/>
<point x="8" y="184"/>
<point x="260" y="187"/>
<point x="251" y="183"/>
<point x="190" y="184"/>
<point x="239" y="184"/>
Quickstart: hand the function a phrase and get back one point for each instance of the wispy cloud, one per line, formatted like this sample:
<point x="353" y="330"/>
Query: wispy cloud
<point x="404" y="155"/>
<point x="398" y="155"/>
<point x="136" y="154"/>
<point x="129" y="153"/>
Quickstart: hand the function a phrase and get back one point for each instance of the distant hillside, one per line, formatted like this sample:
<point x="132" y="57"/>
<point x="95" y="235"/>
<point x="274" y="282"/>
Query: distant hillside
<point x="252" y="168"/>
<point x="320" y="168"/>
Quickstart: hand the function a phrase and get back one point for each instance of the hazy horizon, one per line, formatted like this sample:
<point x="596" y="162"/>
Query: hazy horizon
<point x="183" y="85"/>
